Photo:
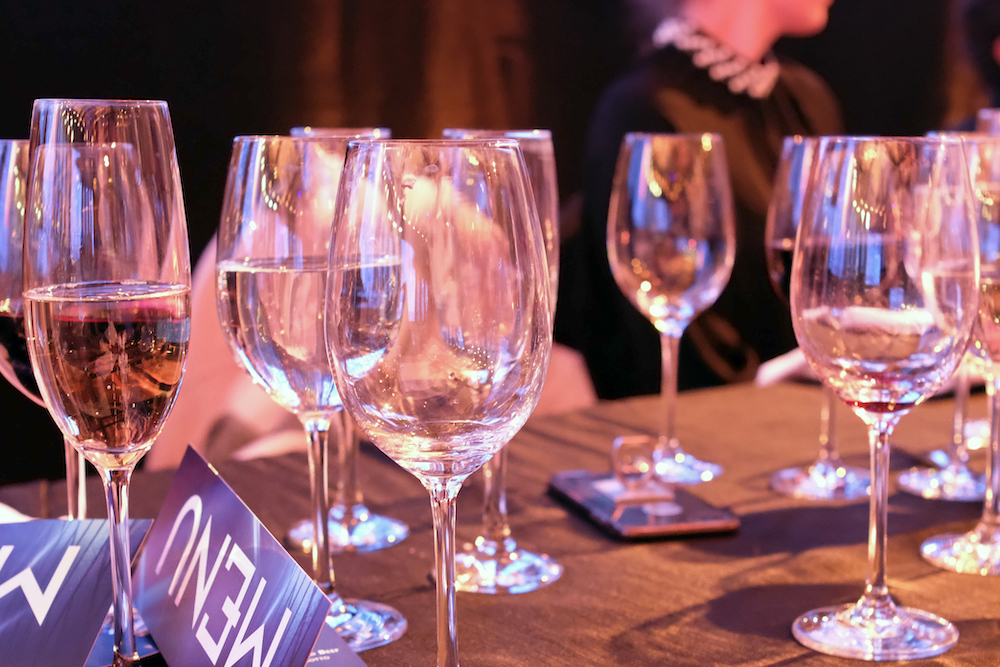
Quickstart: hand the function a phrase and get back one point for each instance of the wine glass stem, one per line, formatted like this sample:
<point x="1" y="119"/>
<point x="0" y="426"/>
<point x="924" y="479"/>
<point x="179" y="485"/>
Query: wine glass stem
<point x="443" y="494"/>
<point x="116" y="483"/>
<point x="318" y="429"/>
<point x="667" y="447"/>
<point x="958" y="455"/>
<point x="76" y="481"/>
<point x="496" y="526"/>
<point x="878" y="433"/>
<point x="828" y="428"/>
<point x="991" y="508"/>
<point x="348" y="493"/>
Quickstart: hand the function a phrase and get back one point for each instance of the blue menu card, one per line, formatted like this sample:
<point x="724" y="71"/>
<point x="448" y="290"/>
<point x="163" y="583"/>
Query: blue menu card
<point x="55" y="589"/>
<point x="214" y="586"/>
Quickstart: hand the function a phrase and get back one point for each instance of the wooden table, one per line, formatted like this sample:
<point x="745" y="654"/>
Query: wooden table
<point x="711" y="600"/>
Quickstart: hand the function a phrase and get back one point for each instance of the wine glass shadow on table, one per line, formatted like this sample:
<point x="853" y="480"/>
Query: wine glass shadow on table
<point x="271" y="271"/>
<point x="107" y="283"/>
<point x="438" y="316"/>
<point x="884" y="296"/>
<point x="494" y="562"/>
<point x="14" y="362"/>
<point x="828" y="477"/>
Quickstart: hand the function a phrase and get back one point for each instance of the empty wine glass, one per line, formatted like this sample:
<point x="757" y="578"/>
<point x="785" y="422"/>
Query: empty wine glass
<point x="107" y="282"/>
<point x="671" y="246"/>
<point x="978" y="551"/>
<point x="827" y="478"/>
<point x="352" y="526"/>
<point x="884" y="297"/>
<point x="271" y="268"/>
<point x="493" y="562"/>
<point x="14" y="362"/>
<point x="438" y="320"/>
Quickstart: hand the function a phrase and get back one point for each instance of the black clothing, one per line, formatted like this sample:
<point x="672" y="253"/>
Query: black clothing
<point x="749" y="323"/>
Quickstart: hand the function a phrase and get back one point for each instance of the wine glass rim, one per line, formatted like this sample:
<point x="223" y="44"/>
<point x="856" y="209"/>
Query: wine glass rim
<point x="940" y="138"/>
<point x="437" y="143"/>
<point x="474" y="133"/>
<point x="687" y="136"/>
<point x="337" y="132"/>
<point x="15" y="142"/>
<point x="117" y="102"/>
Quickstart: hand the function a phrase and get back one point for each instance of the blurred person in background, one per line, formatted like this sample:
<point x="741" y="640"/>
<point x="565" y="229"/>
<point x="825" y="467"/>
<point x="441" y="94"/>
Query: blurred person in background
<point x="709" y="68"/>
<point x="980" y="27"/>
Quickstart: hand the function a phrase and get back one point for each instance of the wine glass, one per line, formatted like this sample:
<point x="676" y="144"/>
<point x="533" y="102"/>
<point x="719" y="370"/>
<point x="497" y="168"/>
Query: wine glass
<point x="950" y="478"/>
<point x="493" y="562"/>
<point x="827" y="478"/>
<point x="271" y="276"/>
<point x="14" y="362"/>
<point x="438" y="320"/>
<point x="353" y="527"/>
<point x="107" y="281"/>
<point x="884" y="297"/>
<point x="671" y="246"/>
<point x="978" y="551"/>
<point x="988" y="121"/>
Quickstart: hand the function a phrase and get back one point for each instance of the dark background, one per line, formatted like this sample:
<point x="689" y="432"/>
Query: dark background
<point x="258" y="67"/>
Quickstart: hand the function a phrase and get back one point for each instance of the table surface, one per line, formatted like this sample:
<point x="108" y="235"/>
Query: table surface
<point x="710" y="600"/>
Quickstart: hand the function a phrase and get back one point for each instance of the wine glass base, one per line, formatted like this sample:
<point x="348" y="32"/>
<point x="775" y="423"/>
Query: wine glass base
<point x="951" y="483"/>
<point x="823" y="481"/>
<point x="975" y="552"/>
<point x="507" y="572"/>
<point x="904" y="634"/>
<point x="371" y="532"/>
<point x="686" y="470"/>
<point x="365" y="625"/>
<point x="138" y="625"/>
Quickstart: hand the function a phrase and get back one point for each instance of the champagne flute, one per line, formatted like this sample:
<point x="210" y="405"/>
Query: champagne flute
<point x="14" y="362"/>
<point x="671" y="246"/>
<point x="107" y="281"/>
<point x="827" y="478"/>
<point x="884" y="297"/>
<point x="271" y="276"/>
<point x="353" y="527"/>
<point x="438" y="321"/>
<point x="494" y="563"/>
<point x="978" y="551"/>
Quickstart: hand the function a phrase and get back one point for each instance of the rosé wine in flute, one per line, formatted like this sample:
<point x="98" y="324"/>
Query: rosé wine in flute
<point x="111" y="358"/>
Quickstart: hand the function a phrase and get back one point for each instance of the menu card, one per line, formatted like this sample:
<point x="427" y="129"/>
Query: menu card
<point x="216" y="588"/>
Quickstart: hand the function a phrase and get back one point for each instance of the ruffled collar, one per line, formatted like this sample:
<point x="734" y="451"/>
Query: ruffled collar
<point x="755" y="79"/>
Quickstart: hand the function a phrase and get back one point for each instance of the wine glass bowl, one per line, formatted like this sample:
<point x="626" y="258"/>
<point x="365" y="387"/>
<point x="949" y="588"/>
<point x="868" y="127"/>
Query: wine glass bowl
<point x="107" y="283"/>
<point x="827" y="478"/>
<point x="884" y="297"/>
<point x="271" y="273"/>
<point x="438" y="317"/>
<point x="671" y="247"/>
